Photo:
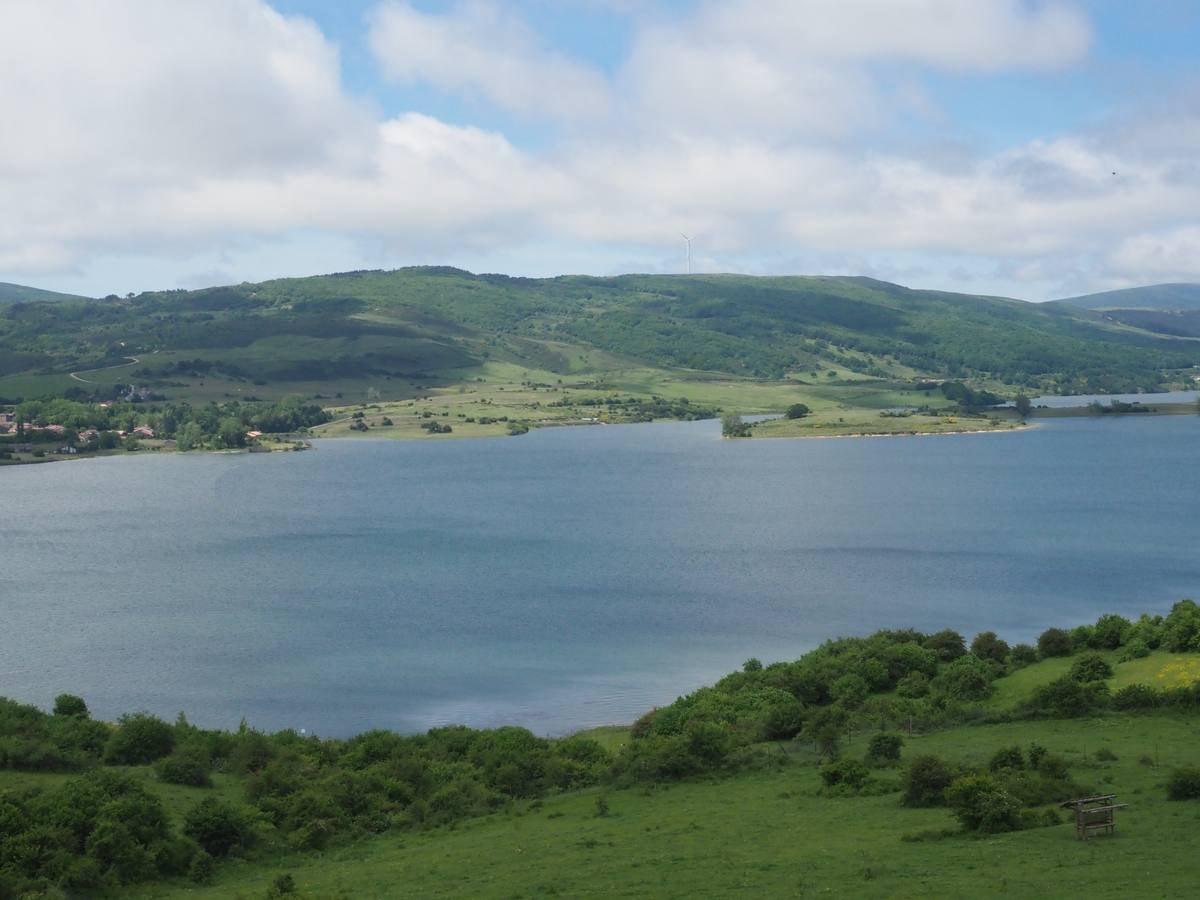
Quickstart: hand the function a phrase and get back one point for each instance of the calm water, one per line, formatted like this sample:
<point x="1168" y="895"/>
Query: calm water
<point x="569" y="577"/>
<point x="1067" y="402"/>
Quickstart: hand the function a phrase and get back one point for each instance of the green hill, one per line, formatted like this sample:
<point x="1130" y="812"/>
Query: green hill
<point x="19" y="293"/>
<point x="901" y="764"/>
<point x="431" y="326"/>
<point x="1154" y="296"/>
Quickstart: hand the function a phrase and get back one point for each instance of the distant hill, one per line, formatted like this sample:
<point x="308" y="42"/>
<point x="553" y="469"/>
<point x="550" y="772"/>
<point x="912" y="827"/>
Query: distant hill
<point x="19" y="293"/>
<point x="439" y="325"/>
<point x="1153" y="296"/>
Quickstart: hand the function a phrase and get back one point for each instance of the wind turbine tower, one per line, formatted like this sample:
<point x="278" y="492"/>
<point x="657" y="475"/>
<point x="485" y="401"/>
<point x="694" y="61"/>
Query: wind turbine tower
<point x="689" y="252"/>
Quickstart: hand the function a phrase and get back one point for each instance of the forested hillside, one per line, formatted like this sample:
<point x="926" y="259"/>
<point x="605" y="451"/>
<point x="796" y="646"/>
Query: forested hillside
<point x="438" y="325"/>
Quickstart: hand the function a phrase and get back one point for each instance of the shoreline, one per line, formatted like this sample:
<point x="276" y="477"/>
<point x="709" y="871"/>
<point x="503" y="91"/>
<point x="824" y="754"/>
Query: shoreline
<point x="896" y="434"/>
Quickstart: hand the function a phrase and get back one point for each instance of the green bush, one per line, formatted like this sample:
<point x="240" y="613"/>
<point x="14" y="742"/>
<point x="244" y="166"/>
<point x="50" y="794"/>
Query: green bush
<point x="1091" y="667"/>
<point x="847" y="774"/>
<point x="967" y="678"/>
<point x="988" y="646"/>
<point x="1136" y="648"/>
<point x="980" y="803"/>
<point x="1135" y="696"/>
<point x="1184" y="783"/>
<point x="925" y="781"/>
<point x="217" y="827"/>
<point x="1023" y="655"/>
<point x="913" y="685"/>
<point x="1007" y="758"/>
<point x="1110" y="631"/>
<point x="184" y="768"/>
<point x="139" y="739"/>
<point x="947" y="644"/>
<point x="1067" y="697"/>
<point x="1054" y="642"/>
<point x="1181" y="628"/>
<point x="884" y="747"/>
<point x="70" y="705"/>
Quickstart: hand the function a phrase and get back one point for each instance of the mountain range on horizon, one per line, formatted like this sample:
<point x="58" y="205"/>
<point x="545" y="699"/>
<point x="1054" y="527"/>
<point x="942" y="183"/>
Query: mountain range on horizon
<point x="1165" y="296"/>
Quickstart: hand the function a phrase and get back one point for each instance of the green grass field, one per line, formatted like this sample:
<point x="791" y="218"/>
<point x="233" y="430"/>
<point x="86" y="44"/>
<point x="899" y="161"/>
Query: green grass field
<point x="774" y="834"/>
<point x="775" y="831"/>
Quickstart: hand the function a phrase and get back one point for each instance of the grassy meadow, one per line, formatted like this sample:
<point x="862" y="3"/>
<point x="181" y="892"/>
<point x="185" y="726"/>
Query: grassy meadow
<point x="773" y="830"/>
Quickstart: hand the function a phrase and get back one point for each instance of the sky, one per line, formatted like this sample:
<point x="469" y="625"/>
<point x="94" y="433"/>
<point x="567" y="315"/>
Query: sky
<point x="1024" y="148"/>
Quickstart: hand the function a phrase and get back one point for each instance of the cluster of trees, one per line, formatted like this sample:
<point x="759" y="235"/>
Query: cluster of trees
<point x="639" y="409"/>
<point x="1002" y="796"/>
<point x="104" y="828"/>
<point x="968" y="399"/>
<point x="734" y="426"/>
<point x="210" y="426"/>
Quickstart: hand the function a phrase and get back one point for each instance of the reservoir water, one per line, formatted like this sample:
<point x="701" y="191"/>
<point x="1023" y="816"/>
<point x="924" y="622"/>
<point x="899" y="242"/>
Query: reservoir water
<point x="565" y="578"/>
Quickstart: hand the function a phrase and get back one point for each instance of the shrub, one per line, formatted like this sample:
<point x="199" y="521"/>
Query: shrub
<point x="1135" y="696"/>
<point x="947" y="644"/>
<point x="1110" y="631"/>
<point x="1024" y="655"/>
<point x="797" y="411"/>
<point x="981" y="804"/>
<point x="1054" y="642"/>
<point x="850" y="690"/>
<point x="1067" y="697"/>
<point x="926" y="781"/>
<point x="70" y="705"/>
<point x="1106" y="755"/>
<point x="1184" y="783"/>
<point x="217" y="827"/>
<point x="1136" y="648"/>
<point x="987" y="646"/>
<point x="1007" y="758"/>
<point x="1181" y="628"/>
<point x="140" y="738"/>
<point x="913" y="685"/>
<point x="967" y="678"/>
<point x="201" y="869"/>
<point x="884" y="747"/>
<point x="183" y="768"/>
<point x="848" y="774"/>
<point x="1091" y="667"/>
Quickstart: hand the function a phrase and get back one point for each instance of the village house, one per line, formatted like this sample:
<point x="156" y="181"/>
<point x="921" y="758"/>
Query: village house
<point x="8" y="422"/>
<point x="143" y="431"/>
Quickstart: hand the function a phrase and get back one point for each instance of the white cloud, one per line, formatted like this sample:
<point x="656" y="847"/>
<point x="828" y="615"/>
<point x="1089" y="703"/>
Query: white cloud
<point x="479" y="50"/>
<point x="1171" y="254"/>
<point x="961" y="35"/>
<point x="173" y="129"/>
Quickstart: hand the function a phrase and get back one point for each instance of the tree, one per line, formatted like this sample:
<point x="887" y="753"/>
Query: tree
<point x="140" y="739"/>
<point x="1054" y="642"/>
<point x="1024" y="406"/>
<point x="217" y="827"/>
<point x="797" y="411"/>
<point x="1091" y="667"/>
<point x="926" y="781"/>
<point x="947" y="644"/>
<point x="70" y="705"/>
<point x="732" y="426"/>
<point x="987" y="646"/>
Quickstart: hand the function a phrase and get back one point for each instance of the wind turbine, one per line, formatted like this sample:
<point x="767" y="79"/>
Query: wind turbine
<point x="689" y="251"/>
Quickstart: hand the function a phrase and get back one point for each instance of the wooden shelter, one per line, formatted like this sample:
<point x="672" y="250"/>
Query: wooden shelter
<point x="1093" y="814"/>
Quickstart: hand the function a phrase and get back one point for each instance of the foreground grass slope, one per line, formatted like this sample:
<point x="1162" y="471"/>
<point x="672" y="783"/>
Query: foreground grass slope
<point x="775" y="834"/>
<point x="899" y="764"/>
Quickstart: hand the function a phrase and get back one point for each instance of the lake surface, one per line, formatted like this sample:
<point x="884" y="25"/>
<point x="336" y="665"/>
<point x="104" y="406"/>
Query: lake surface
<point x="566" y="578"/>
<point x="1074" y="400"/>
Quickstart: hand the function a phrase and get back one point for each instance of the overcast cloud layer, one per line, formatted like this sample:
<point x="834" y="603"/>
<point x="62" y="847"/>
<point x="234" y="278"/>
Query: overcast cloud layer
<point x="159" y="144"/>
